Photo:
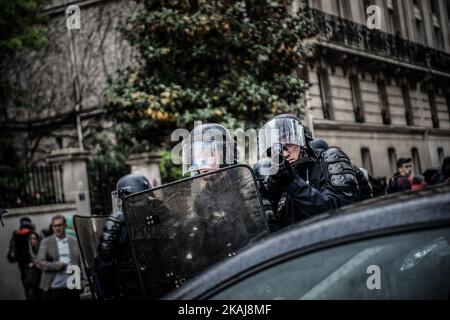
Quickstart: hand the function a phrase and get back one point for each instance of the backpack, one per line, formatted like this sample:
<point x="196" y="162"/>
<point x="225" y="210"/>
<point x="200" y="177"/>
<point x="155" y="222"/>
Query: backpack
<point x="12" y="252"/>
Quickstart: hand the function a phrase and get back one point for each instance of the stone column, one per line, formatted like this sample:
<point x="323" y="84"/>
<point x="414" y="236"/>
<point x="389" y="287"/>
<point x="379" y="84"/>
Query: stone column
<point x="75" y="176"/>
<point x="147" y="163"/>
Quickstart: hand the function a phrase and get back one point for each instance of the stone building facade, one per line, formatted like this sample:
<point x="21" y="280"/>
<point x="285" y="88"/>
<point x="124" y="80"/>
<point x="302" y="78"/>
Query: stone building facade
<point x="382" y="94"/>
<point x="378" y="94"/>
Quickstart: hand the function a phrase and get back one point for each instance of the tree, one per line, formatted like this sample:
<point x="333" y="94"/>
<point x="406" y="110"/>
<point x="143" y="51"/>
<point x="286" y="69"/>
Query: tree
<point x="21" y="27"/>
<point x="231" y="62"/>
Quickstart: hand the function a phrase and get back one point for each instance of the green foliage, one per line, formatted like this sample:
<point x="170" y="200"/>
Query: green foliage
<point x="21" y="26"/>
<point x="231" y="62"/>
<point x="169" y="172"/>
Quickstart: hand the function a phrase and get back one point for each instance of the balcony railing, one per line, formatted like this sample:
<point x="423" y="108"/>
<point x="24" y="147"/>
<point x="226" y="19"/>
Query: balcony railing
<point x="337" y="30"/>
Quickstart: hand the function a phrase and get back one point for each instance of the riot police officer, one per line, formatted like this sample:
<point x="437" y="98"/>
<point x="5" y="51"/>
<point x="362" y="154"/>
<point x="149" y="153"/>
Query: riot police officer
<point x="209" y="147"/>
<point x="298" y="181"/>
<point x="115" y="266"/>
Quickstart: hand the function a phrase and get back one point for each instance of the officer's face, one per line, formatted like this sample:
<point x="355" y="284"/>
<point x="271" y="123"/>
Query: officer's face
<point x="291" y="152"/>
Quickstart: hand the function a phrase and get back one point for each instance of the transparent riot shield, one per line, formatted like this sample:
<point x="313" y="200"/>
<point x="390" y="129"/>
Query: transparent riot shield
<point x="89" y="231"/>
<point x="180" y="229"/>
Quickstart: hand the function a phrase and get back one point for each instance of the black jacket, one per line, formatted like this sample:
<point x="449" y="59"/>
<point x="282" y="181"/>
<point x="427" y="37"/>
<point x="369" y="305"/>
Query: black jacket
<point x="116" y="273"/>
<point x="312" y="193"/>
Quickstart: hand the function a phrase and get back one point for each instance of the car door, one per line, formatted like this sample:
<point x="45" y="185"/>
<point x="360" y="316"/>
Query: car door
<point x="411" y="265"/>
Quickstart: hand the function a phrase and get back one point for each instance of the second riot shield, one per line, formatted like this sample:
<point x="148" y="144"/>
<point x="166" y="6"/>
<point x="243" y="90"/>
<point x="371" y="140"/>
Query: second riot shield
<point x="89" y="231"/>
<point x="180" y="229"/>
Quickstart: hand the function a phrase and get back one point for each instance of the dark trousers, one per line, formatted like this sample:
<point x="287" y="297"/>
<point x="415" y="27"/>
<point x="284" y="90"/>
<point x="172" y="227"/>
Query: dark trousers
<point x="63" y="294"/>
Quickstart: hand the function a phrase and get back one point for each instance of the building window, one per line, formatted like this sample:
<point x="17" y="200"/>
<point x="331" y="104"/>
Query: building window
<point x="408" y="108"/>
<point x="325" y="94"/>
<point x="433" y="109"/>
<point x="438" y="37"/>
<point x="420" y="30"/>
<point x="356" y="98"/>
<point x="417" y="168"/>
<point x="384" y="102"/>
<point x="366" y="160"/>
<point x="393" y="18"/>
<point x="392" y="159"/>
<point x="365" y="5"/>
<point x="439" y="41"/>
<point x="441" y="155"/>
<point x="343" y="8"/>
<point x="448" y="19"/>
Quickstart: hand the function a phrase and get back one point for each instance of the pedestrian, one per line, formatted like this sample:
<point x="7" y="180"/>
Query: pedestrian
<point x="417" y="183"/>
<point x="19" y="249"/>
<point x="400" y="181"/>
<point x="32" y="274"/>
<point x="56" y="253"/>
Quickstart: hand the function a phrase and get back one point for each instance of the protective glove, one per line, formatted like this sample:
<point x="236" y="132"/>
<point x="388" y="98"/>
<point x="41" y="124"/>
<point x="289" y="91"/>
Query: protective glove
<point x="283" y="177"/>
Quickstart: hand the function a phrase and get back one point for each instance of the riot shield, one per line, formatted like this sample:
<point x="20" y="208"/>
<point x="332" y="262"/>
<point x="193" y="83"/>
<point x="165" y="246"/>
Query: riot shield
<point x="89" y="231"/>
<point x="180" y="229"/>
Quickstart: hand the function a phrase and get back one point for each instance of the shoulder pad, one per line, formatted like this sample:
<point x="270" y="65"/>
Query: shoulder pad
<point x="339" y="171"/>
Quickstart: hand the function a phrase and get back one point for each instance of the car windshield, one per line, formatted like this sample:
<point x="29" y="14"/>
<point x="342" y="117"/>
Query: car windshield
<point x="414" y="265"/>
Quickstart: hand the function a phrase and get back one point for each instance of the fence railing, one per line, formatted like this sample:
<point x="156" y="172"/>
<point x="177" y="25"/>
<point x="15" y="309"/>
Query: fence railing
<point x="31" y="186"/>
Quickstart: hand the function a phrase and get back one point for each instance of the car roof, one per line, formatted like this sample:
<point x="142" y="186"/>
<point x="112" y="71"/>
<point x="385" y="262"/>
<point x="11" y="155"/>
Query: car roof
<point x="369" y="218"/>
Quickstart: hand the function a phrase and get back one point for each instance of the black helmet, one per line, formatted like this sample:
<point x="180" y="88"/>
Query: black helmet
<point x="129" y="184"/>
<point x="132" y="183"/>
<point x="319" y="144"/>
<point x="24" y="222"/>
<point x="209" y="145"/>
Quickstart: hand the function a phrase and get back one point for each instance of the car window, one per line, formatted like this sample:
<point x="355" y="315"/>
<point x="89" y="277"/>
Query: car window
<point x="412" y="265"/>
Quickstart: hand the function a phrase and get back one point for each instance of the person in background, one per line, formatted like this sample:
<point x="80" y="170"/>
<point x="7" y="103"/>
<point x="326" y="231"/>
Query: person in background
<point x="56" y="253"/>
<point x="379" y="185"/>
<point x="432" y="177"/>
<point x="32" y="274"/>
<point x="400" y="181"/>
<point x="19" y="247"/>
<point x="46" y="232"/>
<point x="418" y="183"/>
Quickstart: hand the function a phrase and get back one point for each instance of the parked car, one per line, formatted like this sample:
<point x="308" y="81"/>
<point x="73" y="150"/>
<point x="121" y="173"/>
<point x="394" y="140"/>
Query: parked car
<point x="393" y="247"/>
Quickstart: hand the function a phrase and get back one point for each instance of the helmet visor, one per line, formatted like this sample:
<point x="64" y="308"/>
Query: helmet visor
<point x="283" y="131"/>
<point x="202" y="155"/>
<point x="116" y="201"/>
